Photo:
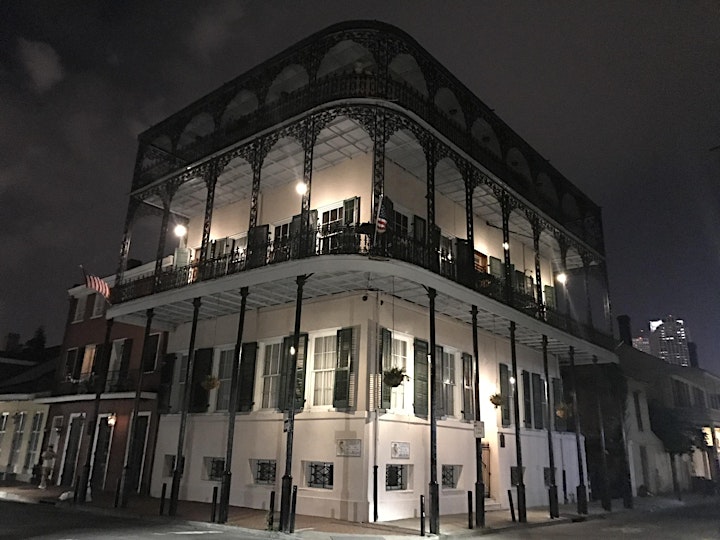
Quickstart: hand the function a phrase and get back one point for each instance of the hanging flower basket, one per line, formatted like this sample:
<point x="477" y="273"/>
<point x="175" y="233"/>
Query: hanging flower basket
<point x="394" y="376"/>
<point x="210" y="383"/>
<point x="563" y="410"/>
<point x="496" y="400"/>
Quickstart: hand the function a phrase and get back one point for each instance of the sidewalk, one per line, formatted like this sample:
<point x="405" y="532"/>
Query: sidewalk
<point x="321" y="528"/>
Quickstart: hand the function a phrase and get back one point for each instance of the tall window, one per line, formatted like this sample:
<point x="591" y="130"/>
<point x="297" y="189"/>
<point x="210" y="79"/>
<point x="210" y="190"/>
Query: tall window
<point x="271" y="375"/>
<point x="398" y="360"/>
<point x="32" y="447"/>
<point x="80" y="309"/>
<point x="265" y="471"/>
<point x="225" y="365"/>
<point x="320" y="475"/>
<point x="448" y="383"/>
<point x="98" y="306"/>
<point x="325" y="359"/>
<point x="401" y="224"/>
<point x="88" y="362"/>
<point x="17" y="436"/>
<point x="182" y="381"/>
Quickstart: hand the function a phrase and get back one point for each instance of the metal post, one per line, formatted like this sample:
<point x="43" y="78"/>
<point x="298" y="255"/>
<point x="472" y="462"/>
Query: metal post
<point x="232" y="409"/>
<point x="271" y="511"/>
<point x="470" y="509"/>
<point x="433" y="485"/>
<point x="375" y="493"/>
<point x="162" y="498"/>
<point x="552" y="488"/>
<point x="422" y="515"/>
<point x="179" y="456"/>
<point x="479" y="480"/>
<point x="605" y="495"/>
<point x="213" y="505"/>
<point x="582" y="503"/>
<point x="512" y="506"/>
<point x="293" y="506"/>
<point x="100" y="380"/>
<point x="286" y="486"/>
<point x="522" y="511"/>
<point x="130" y="455"/>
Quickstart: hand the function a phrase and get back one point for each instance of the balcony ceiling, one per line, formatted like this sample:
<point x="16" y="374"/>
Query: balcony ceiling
<point x="341" y="140"/>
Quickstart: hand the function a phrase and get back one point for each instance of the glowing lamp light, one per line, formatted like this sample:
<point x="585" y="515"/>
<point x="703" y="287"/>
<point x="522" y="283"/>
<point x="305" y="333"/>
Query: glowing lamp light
<point x="512" y="380"/>
<point x="112" y="419"/>
<point x="301" y="188"/>
<point x="561" y="278"/>
<point x="180" y="230"/>
<point x="292" y="350"/>
<point x="506" y="246"/>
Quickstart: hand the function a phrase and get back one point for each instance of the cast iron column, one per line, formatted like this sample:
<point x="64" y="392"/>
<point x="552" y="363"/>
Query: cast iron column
<point x="522" y="509"/>
<point x="286" y="488"/>
<point x="538" y="274"/>
<point x="232" y="409"/>
<point x="130" y="455"/>
<point x="506" y="251"/>
<point x="552" y="488"/>
<point x="582" y="502"/>
<point x="433" y="485"/>
<point x="100" y="379"/>
<point x="479" y="481"/>
<point x="179" y="456"/>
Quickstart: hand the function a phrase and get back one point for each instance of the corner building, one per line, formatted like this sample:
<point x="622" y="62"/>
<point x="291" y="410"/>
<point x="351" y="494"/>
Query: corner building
<point x="478" y="227"/>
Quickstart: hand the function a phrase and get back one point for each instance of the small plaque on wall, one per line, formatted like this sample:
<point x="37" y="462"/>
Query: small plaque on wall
<point x="400" y="450"/>
<point x="348" y="447"/>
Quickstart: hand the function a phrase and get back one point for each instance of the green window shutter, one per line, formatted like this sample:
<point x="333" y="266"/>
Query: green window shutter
<point x="439" y="368"/>
<point x="385" y="364"/>
<point x="246" y="377"/>
<point x="420" y="379"/>
<point x="150" y="350"/>
<point x="468" y="411"/>
<point x="538" y="393"/>
<point x="125" y="359"/>
<point x="527" y="400"/>
<point x="199" y="397"/>
<point x="550" y="297"/>
<point x="345" y="367"/>
<point x="286" y="378"/>
<point x="497" y="268"/>
<point x="505" y="393"/>
<point x="560" y="413"/>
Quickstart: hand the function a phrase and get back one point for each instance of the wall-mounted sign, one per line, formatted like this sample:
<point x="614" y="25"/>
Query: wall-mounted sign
<point x="400" y="450"/>
<point x="348" y="447"/>
<point x="479" y="429"/>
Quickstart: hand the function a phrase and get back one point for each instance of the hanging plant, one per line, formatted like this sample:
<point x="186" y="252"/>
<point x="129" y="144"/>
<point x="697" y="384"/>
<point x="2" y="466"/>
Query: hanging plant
<point x="394" y="376"/>
<point x="210" y="383"/>
<point x="496" y="400"/>
<point x="563" y="410"/>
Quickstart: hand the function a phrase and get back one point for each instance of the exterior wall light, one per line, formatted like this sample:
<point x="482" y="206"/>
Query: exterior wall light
<point x="561" y="278"/>
<point x="301" y="188"/>
<point x="512" y="380"/>
<point x="506" y="246"/>
<point x="112" y="419"/>
<point x="180" y="230"/>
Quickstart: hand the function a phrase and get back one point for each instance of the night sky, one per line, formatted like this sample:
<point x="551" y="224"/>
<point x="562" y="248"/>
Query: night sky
<point x="622" y="97"/>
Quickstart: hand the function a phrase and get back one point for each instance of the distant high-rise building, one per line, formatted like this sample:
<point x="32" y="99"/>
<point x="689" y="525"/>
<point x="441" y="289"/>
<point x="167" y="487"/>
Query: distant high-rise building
<point x="642" y="342"/>
<point x="668" y="340"/>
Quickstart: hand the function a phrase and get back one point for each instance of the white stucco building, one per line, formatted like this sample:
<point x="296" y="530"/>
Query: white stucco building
<point x="460" y="286"/>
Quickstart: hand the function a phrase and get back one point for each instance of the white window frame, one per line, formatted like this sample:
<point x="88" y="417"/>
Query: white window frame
<point x="264" y="376"/>
<point x="31" y="450"/>
<point x="94" y="446"/>
<point x="180" y="380"/>
<point x="310" y="368"/>
<point x="98" y="306"/>
<point x="67" y="441"/>
<point x="225" y="382"/>
<point x="403" y="392"/>
<point x="453" y="360"/>
<point x="80" y="307"/>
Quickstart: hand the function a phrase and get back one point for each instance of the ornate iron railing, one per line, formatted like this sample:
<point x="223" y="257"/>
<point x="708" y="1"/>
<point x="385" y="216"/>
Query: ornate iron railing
<point x="353" y="240"/>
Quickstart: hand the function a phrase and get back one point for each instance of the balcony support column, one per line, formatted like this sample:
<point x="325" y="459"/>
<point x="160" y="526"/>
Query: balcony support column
<point x="552" y="488"/>
<point x="127" y="237"/>
<point x="210" y="178"/>
<point x="378" y="179"/>
<point x="607" y="304"/>
<point x="307" y="235"/>
<point x="588" y="302"/>
<point x="479" y="481"/>
<point x="470" y="230"/>
<point x="433" y="484"/>
<point x="581" y="491"/>
<point x="232" y="409"/>
<point x="161" y="243"/>
<point x="179" y="456"/>
<point x="286" y="517"/>
<point x="130" y="465"/>
<point x="99" y="382"/>
<point x="433" y="232"/>
<point x="522" y="508"/>
<point x="601" y="389"/>
<point x="563" y="268"/>
<point x="537" y="230"/>
<point x="259" y="151"/>
<point x="506" y="210"/>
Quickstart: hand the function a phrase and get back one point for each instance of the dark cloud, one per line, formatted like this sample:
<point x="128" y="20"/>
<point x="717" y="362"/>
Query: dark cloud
<point x="620" y="96"/>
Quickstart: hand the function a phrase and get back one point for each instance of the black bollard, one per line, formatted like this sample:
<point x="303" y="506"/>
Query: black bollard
<point x="271" y="513"/>
<point x="77" y="488"/>
<point x="293" y="506"/>
<point x="512" y="506"/>
<point x="213" y="506"/>
<point x="117" y="493"/>
<point x="470" y="510"/>
<point x="422" y="515"/>
<point x="162" y="498"/>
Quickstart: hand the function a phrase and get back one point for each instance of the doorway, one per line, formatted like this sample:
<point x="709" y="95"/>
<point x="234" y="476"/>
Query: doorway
<point x="72" y="449"/>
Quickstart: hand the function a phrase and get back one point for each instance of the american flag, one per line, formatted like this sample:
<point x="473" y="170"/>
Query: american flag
<point x="381" y="222"/>
<point x="97" y="284"/>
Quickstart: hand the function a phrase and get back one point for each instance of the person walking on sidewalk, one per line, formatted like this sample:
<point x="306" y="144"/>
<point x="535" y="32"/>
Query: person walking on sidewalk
<point x="48" y="464"/>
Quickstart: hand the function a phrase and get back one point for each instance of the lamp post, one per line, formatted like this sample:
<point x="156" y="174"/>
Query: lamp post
<point x="479" y="482"/>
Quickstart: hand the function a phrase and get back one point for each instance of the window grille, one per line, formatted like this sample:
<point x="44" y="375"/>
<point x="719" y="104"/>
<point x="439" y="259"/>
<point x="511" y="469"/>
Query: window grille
<point x="265" y="471"/>
<point x="214" y="468"/>
<point x="320" y="475"/>
<point x="396" y="477"/>
<point x="450" y="476"/>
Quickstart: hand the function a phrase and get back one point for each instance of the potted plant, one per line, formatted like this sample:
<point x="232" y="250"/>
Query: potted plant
<point x="210" y="383"/>
<point x="496" y="399"/>
<point x="394" y="376"/>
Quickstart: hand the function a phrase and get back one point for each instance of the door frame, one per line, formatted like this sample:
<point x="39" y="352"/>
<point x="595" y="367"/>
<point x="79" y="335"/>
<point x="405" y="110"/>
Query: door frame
<point x="71" y="417"/>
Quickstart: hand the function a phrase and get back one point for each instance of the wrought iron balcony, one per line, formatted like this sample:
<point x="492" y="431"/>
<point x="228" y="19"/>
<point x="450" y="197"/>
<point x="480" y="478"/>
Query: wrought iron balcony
<point x="354" y="240"/>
